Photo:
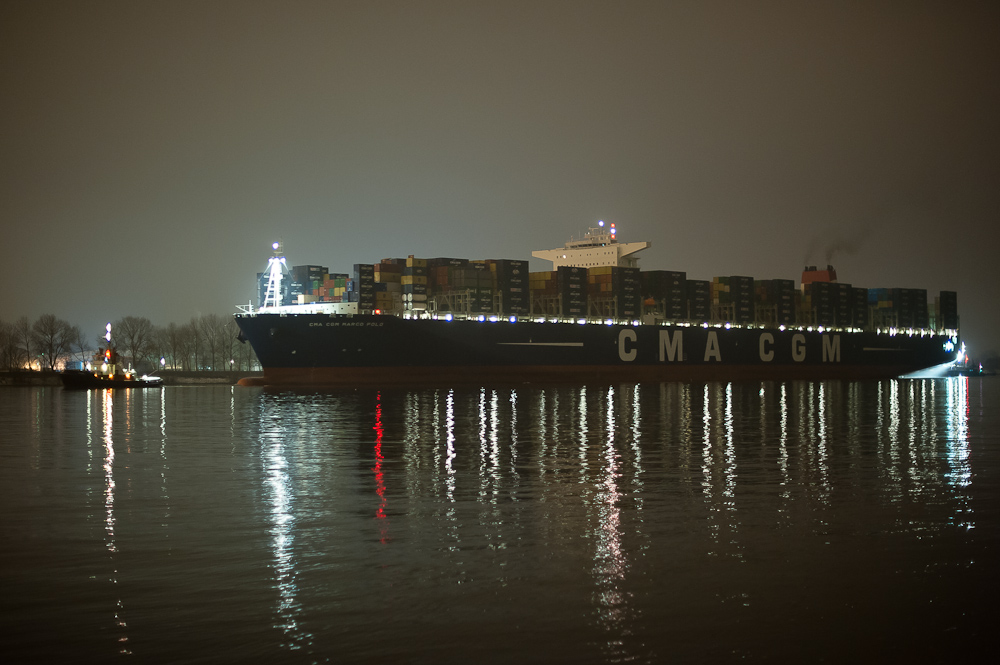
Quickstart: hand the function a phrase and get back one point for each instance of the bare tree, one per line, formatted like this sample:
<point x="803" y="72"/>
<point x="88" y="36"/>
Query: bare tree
<point x="22" y="339"/>
<point x="174" y="344"/>
<point x="161" y="343"/>
<point x="78" y="346"/>
<point x="213" y="332"/>
<point x="195" y="343"/>
<point x="52" y="339"/>
<point x="228" y="345"/>
<point x="205" y="342"/>
<point x="8" y="347"/>
<point x="135" y="335"/>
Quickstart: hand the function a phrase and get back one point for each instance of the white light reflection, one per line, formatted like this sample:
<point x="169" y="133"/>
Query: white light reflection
<point x="482" y="443"/>
<point x="513" y="433"/>
<point x="278" y="488"/>
<point x="895" y="478"/>
<point x="109" y="512"/>
<point x="729" y="492"/>
<point x="610" y="562"/>
<point x="163" y="458"/>
<point x="494" y="446"/>
<point x="610" y="559"/>
<point x="449" y="464"/>
<point x="687" y="435"/>
<point x="730" y="453"/>
<point x="912" y="454"/>
<point x="636" y="451"/>
<point x="706" y="469"/>
<point x="582" y="449"/>
<point x="543" y="438"/>
<point x="822" y="449"/>
<point x="959" y="476"/>
<point x="783" y="446"/>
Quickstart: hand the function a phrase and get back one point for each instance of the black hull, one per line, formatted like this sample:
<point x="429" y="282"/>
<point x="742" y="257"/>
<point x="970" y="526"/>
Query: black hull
<point x="318" y="349"/>
<point x="80" y="380"/>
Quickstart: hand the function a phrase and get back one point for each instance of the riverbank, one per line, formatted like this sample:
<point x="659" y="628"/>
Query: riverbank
<point x="170" y="378"/>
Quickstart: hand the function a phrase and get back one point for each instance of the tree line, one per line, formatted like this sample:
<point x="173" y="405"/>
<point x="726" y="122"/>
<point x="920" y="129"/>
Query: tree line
<point x="204" y="343"/>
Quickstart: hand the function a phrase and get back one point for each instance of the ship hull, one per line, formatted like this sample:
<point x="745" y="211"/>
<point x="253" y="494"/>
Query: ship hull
<point x="368" y="350"/>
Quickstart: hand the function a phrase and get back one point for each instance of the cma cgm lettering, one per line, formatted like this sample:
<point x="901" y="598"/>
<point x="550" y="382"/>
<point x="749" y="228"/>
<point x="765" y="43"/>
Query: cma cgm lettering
<point x="771" y="346"/>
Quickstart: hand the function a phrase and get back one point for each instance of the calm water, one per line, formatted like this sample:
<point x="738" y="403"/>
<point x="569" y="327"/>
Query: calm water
<point x="795" y="522"/>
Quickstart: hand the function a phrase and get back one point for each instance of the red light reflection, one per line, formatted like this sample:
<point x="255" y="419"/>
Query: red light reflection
<point x="379" y="476"/>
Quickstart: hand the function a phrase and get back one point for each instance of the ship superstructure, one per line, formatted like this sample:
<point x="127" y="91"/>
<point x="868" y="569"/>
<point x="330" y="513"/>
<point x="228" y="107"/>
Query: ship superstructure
<point x="599" y="247"/>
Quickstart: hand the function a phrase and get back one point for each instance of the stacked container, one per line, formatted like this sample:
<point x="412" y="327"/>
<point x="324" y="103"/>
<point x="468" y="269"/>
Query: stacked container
<point x="619" y="285"/>
<point x="388" y="276"/>
<point x="310" y="278"/>
<point x="720" y="291"/>
<point x="741" y="294"/>
<point x="859" y="307"/>
<point x="461" y="281"/>
<point x="627" y="286"/>
<point x="666" y="287"/>
<point x="779" y="295"/>
<point x="947" y="306"/>
<point x="910" y="306"/>
<point x="571" y="286"/>
<point x="843" y="304"/>
<point x="308" y="282"/>
<point x="479" y="273"/>
<point x="543" y="290"/>
<point x="821" y="297"/>
<point x="698" y="298"/>
<point x="363" y="286"/>
<point x="510" y="281"/>
<point x="414" y="282"/>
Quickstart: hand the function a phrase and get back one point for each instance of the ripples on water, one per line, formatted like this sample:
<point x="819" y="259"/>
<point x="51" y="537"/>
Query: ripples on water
<point x="802" y="521"/>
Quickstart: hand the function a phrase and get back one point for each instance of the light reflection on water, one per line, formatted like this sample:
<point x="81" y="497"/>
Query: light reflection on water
<point x="629" y="522"/>
<point x="279" y="489"/>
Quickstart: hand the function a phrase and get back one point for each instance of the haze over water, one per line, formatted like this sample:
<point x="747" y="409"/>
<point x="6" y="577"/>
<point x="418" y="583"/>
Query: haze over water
<point x="797" y="522"/>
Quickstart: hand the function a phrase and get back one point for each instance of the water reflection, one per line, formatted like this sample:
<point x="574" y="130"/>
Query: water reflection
<point x="103" y="402"/>
<point x="379" y="475"/>
<point x="959" y="474"/>
<point x="610" y="559"/>
<point x="279" y="488"/>
<point x="576" y="470"/>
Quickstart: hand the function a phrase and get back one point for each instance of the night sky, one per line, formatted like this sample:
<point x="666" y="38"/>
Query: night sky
<point x="151" y="152"/>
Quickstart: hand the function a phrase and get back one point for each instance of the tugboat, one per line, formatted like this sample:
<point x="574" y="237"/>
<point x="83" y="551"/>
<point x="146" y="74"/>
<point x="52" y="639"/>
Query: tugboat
<point x="109" y="374"/>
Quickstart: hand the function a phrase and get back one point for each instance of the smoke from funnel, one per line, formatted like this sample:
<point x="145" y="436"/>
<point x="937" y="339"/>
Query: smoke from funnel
<point x="829" y="248"/>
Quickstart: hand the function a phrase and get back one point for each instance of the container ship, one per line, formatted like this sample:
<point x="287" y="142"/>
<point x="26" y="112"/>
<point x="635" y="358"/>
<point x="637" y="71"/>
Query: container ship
<point x="594" y="317"/>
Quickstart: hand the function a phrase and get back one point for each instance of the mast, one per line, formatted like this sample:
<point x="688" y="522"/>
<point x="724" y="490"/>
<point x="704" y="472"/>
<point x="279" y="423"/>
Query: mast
<point x="276" y="264"/>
